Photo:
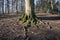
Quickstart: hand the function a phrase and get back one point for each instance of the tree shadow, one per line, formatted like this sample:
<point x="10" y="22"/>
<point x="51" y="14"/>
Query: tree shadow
<point x="50" y="18"/>
<point x="8" y="16"/>
<point x="40" y="17"/>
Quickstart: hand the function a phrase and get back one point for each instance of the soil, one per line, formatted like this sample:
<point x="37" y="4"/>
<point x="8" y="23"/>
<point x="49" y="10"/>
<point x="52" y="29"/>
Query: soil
<point x="11" y="29"/>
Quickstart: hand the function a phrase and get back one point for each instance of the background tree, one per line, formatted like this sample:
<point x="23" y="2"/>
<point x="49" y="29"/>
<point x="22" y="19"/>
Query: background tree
<point x="42" y="5"/>
<point x="22" y="6"/>
<point x="3" y="6"/>
<point x="8" y="8"/>
<point x="12" y="5"/>
<point x="0" y="6"/>
<point x="17" y="6"/>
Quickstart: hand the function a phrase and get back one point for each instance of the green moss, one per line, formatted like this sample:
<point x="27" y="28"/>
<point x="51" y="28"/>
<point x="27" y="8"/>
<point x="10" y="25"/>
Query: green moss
<point x="31" y="19"/>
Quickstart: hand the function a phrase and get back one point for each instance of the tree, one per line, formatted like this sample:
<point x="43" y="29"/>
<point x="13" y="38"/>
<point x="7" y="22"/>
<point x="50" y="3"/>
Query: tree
<point x="12" y="5"/>
<point x="3" y="6"/>
<point x="51" y="5"/>
<point x="8" y="6"/>
<point x="42" y="5"/>
<point x="29" y="16"/>
<point x="0" y="6"/>
<point x="17" y="6"/>
<point x="22" y="6"/>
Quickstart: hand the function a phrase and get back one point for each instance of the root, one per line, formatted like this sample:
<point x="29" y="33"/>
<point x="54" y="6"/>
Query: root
<point x="32" y="20"/>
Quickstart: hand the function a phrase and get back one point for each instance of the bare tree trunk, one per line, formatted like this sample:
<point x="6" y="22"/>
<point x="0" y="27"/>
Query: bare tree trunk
<point x="0" y="6"/>
<point x="29" y="7"/>
<point x="52" y="4"/>
<point x="3" y="6"/>
<point x="8" y="6"/>
<point x="17" y="6"/>
<point x="21" y="5"/>
<point x="12" y="6"/>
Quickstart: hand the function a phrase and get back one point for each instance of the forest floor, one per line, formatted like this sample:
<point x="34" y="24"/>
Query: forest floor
<point x="11" y="29"/>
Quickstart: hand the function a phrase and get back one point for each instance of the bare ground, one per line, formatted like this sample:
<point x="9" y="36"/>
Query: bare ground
<point x="11" y="29"/>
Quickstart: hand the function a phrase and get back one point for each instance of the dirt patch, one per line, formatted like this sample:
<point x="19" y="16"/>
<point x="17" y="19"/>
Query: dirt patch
<point x="11" y="29"/>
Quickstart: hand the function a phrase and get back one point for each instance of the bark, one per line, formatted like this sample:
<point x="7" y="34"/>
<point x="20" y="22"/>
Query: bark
<point x="12" y="6"/>
<point x="52" y="4"/>
<point x="17" y="6"/>
<point x="22" y="5"/>
<point x="29" y="16"/>
<point x="3" y="6"/>
<point x="8" y="6"/>
<point x="29" y="5"/>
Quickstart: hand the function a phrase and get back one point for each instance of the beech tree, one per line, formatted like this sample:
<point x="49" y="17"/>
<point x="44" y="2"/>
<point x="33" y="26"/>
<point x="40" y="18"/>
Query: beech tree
<point x="29" y="16"/>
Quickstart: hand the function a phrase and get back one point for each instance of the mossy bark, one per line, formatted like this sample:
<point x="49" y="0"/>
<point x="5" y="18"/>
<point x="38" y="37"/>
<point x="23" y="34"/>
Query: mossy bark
<point x="28" y="19"/>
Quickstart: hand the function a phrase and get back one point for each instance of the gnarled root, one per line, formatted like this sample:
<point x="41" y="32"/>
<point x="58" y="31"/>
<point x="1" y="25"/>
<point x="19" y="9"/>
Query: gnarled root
<point x="31" y="19"/>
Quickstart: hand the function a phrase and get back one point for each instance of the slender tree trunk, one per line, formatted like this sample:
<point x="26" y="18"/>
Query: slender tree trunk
<point x="17" y="6"/>
<point x="52" y="4"/>
<point x="12" y="6"/>
<point x="22" y="5"/>
<point x="8" y="6"/>
<point x="3" y="6"/>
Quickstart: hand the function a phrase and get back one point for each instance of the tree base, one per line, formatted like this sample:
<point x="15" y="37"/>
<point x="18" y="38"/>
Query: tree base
<point x="31" y="19"/>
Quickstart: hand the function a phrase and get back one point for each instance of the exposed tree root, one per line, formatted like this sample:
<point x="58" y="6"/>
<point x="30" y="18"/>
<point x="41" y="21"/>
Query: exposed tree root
<point x="31" y="19"/>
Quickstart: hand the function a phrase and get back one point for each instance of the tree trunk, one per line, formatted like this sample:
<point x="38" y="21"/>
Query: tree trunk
<point x="22" y="6"/>
<point x="29" y="7"/>
<point x="12" y="6"/>
<point x="8" y="6"/>
<point x="52" y="4"/>
<point x="17" y="6"/>
<point x="29" y="15"/>
<point x="3" y="6"/>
